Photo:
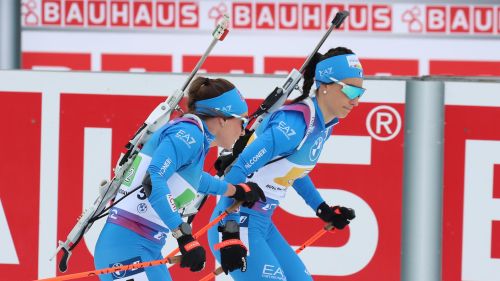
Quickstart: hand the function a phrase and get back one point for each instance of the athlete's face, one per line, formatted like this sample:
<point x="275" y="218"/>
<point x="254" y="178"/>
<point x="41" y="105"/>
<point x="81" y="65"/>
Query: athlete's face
<point x="336" y="101"/>
<point x="231" y="130"/>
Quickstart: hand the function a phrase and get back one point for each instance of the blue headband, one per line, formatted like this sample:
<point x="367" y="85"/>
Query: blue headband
<point x="338" y="67"/>
<point x="230" y="102"/>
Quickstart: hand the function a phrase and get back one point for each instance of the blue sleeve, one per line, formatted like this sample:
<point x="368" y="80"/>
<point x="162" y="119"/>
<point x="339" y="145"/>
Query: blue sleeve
<point x="306" y="189"/>
<point x="178" y="144"/>
<point x="211" y="185"/>
<point x="281" y="135"/>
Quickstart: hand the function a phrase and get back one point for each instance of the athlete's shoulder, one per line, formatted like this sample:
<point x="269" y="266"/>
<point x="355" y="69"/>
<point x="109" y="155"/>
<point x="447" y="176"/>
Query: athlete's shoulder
<point x="185" y="131"/>
<point x="295" y="115"/>
<point x="290" y="123"/>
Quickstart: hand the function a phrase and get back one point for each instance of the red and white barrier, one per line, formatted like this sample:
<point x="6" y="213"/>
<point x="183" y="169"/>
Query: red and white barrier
<point x="63" y="132"/>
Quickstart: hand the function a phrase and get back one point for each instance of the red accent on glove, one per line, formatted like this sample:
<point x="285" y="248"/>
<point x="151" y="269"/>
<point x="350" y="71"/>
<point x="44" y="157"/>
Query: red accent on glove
<point x="245" y="187"/>
<point x="229" y="243"/>
<point x="191" y="245"/>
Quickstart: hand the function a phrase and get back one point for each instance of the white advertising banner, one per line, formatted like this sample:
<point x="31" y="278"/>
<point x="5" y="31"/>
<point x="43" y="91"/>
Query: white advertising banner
<point x="399" y="39"/>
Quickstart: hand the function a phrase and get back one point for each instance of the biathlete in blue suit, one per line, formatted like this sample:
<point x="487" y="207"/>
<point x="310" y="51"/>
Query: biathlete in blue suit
<point x="170" y="169"/>
<point x="280" y="154"/>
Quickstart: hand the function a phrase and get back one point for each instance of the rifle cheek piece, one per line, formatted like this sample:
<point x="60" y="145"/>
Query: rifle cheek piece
<point x="147" y="185"/>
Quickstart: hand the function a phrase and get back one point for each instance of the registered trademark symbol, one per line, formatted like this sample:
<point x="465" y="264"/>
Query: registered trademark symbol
<point x="383" y="123"/>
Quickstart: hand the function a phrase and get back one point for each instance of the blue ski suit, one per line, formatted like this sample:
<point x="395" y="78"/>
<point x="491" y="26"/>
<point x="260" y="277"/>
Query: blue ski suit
<point x="138" y="225"/>
<point x="293" y="137"/>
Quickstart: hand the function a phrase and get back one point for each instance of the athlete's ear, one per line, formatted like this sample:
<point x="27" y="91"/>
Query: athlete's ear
<point x="222" y="122"/>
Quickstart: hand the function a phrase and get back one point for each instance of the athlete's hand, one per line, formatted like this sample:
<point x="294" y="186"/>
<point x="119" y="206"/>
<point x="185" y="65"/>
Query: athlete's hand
<point x="193" y="255"/>
<point x="233" y="252"/>
<point x="224" y="161"/>
<point x="337" y="215"/>
<point x="249" y="193"/>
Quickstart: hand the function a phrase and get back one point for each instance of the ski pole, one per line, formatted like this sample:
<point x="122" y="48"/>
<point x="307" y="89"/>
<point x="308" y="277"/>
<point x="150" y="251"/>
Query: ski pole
<point x="204" y="229"/>
<point x="306" y="244"/>
<point x="315" y="237"/>
<point x="170" y="258"/>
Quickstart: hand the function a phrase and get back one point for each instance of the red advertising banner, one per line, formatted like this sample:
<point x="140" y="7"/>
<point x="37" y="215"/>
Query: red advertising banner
<point x="386" y="67"/>
<point x="245" y="64"/>
<point x="464" y="68"/>
<point x="136" y="63"/>
<point x="20" y="120"/>
<point x="100" y="111"/>
<point x="55" y="61"/>
<point x="379" y="184"/>
<point x="471" y="227"/>
<point x="361" y="167"/>
<point x="220" y="64"/>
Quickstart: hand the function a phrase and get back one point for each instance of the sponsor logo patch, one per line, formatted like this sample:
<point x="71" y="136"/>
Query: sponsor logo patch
<point x="286" y="130"/>
<point x="255" y="158"/>
<point x="353" y="61"/>
<point x="142" y="208"/>
<point x="326" y="72"/>
<point x="273" y="272"/>
<point x="185" y="137"/>
<point x="226" y="108"/>
<point x="316" y="149"/>
<point x="165" y="166"/>
<point x="171" y="202"/>
<point x="126" y="273"/>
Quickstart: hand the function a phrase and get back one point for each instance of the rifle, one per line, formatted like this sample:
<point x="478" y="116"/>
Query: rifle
<point x="156" y="119"/>
<point x="270" y="104"/>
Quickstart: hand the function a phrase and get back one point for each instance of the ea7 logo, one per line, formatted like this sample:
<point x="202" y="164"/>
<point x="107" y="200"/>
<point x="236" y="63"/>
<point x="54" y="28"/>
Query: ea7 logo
<point x="226" y="108"/>
<point x="268" y="207"/>
<point x="327" y="71"/>
<point x="244" y="221"/>
<point x="286" y="130"/>
<point x="185" y="137"/>
<point x="160" y="235"/>
<point x="270" y="271"/>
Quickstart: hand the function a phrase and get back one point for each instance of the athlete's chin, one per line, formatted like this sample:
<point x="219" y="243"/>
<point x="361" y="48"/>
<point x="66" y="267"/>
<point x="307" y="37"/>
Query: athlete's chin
<point x="343" y="115"/>
<point x="227" y="145"/>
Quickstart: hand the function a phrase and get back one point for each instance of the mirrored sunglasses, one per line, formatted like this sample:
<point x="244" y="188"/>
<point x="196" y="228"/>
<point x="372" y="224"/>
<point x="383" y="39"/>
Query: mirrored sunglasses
<point x="350" y="91"/>
<point x="244" y="120"/>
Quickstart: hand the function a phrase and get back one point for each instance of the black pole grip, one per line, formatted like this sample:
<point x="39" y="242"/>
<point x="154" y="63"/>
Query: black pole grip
<point x="339" y="18"/>
<point x="63" y="264"/>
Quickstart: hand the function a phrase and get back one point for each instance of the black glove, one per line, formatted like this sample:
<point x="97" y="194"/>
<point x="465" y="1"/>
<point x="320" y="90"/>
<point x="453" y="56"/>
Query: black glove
<point x="193" y="255"/>
<point x="224" y="161"/>
<point x="241" y="143"/>
<point x="338" y="216"/>
<point x="233" y="253"/>
<point x="249" y="193"/>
